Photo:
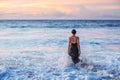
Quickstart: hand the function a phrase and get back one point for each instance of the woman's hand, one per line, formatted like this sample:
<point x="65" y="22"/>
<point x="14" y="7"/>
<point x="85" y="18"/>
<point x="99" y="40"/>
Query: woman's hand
<point x="68" y="52"/>
<point x="79" y="52"/>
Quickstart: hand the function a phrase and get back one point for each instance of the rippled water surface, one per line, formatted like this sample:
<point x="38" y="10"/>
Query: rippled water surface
<point x="40" y="53"/>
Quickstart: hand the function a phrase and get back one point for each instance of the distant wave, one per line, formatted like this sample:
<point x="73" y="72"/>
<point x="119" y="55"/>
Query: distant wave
<point x="58" y="23"/>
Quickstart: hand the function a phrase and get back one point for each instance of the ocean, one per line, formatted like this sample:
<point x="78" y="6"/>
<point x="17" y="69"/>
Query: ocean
<point x="37" y="50"/>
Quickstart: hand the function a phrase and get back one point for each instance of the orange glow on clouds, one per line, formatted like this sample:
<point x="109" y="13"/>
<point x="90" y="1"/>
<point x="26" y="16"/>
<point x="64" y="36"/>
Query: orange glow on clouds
<point x="54" y="9"/>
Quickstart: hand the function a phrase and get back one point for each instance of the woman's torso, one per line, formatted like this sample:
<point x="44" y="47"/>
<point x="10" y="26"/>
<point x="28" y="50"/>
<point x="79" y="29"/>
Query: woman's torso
<point x="73" y="41"/>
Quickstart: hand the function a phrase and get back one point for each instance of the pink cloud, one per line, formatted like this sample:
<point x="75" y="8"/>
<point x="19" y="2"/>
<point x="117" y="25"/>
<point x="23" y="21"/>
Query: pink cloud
<point x="58" y="9"/>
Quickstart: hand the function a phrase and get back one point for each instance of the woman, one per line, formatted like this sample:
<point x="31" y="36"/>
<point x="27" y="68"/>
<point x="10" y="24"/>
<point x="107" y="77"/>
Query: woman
<point x="74" y="47"/>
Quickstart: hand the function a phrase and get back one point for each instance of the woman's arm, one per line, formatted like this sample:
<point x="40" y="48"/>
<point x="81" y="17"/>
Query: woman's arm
<point x="78" y="45"/>
<point x="69" y="46"/>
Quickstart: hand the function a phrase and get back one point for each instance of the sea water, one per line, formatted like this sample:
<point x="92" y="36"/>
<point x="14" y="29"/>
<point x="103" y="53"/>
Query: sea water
<point x="37" y="50"/>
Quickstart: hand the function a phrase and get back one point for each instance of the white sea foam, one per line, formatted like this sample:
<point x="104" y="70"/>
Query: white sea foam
<point x="42" y="54"/>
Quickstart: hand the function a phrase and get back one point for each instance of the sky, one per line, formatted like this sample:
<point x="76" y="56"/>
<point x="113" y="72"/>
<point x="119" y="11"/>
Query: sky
<point x="60" y="9"/>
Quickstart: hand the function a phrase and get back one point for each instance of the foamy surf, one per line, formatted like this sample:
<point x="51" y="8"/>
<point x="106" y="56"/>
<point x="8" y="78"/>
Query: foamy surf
<point x="38" y="53"/>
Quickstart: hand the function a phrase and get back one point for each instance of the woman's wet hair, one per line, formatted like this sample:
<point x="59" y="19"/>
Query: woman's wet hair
<point x="74" y="31"/>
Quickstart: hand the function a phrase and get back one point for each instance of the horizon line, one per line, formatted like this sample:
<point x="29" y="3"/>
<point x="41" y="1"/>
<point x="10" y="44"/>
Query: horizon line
<point x="59" y="19"/>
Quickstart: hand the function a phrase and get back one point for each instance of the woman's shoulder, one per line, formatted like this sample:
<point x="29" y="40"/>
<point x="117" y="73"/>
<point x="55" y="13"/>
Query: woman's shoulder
<point x="77" y="37"/>
<point x="70" y="37"/>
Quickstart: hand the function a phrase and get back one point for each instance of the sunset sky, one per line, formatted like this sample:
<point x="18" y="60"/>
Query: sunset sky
<point x="60" y="9"/>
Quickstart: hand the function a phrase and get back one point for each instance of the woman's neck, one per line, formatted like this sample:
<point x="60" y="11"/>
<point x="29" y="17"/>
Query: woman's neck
<point x="73" y="35"/>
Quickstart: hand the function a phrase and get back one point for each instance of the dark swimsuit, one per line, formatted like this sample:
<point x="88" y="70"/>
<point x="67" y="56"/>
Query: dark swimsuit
<point x="74" y="53"/>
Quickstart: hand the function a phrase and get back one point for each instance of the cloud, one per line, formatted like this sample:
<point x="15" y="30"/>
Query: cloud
<point x="63" y="9"/>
